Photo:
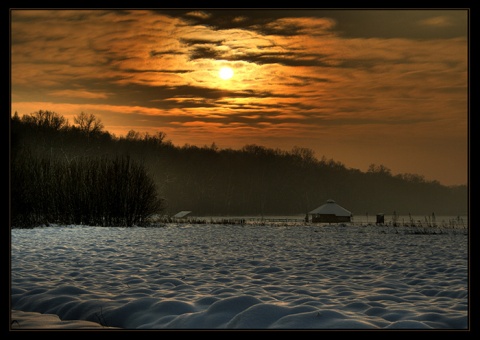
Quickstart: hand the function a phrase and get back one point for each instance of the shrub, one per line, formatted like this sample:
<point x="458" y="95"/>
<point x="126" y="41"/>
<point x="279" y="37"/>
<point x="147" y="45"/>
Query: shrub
<point x="92" y="191"/>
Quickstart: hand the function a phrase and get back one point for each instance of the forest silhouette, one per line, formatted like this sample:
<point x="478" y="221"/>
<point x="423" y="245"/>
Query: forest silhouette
<point x="253" y="180"/>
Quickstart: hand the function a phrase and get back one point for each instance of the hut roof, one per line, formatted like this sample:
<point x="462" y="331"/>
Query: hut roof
<point x="331" y="208"/>
<point x="182" y="214"/>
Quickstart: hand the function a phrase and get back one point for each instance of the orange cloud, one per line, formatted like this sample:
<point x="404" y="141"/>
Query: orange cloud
<point x="78" y="94"/>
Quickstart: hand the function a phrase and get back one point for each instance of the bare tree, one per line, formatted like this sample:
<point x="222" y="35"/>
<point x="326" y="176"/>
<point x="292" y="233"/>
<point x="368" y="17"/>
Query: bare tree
<point x="88" y="123"/>
<point x="379" y="169"/>
<point x="46" y="119"/>
<point x="133" y="135"/>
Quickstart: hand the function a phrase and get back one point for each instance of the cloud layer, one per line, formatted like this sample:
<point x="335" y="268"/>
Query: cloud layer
<point x="301" y="78"/>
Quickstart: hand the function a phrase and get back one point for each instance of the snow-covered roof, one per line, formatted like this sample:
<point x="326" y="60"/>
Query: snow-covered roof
<point x="181" y="214"/>
<point x="331" y="208"/>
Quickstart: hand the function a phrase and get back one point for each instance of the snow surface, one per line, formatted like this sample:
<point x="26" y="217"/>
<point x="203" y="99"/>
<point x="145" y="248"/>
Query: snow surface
<point x="275" y="276"/>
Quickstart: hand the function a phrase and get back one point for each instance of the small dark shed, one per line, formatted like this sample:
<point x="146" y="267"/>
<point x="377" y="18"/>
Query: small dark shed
<point x="380" y="218"/>
<point x="331" y="212"/>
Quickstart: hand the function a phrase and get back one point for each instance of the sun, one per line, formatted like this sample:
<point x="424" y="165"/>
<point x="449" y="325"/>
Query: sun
<point x="225" y="73"/>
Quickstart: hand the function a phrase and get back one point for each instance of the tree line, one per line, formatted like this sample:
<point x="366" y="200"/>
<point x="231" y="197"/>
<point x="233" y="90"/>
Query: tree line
<point x="60" y="186"/>
<point x="252" y="180"/>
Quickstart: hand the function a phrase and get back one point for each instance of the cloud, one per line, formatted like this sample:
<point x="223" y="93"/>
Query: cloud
<point x="79" y="94"/>
<point x="439" y="21"/>
<point x="199" y="14"/>
<point x="313" y="71"/>
<point x="297" y="26"/>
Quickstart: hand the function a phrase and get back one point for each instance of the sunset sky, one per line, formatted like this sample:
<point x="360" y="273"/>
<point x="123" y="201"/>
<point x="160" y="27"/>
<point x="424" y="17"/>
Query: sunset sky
<point x="361" y="87"/>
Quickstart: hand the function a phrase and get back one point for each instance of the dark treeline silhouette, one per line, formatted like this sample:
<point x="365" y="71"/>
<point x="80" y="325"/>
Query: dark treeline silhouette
<point x="50" y="184"/>
<point x="253" y="180"/>
<point x="90" y="191"/>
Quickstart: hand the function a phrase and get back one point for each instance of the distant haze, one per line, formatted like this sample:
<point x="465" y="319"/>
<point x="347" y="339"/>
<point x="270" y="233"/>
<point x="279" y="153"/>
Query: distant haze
<point x="359" y="86"/>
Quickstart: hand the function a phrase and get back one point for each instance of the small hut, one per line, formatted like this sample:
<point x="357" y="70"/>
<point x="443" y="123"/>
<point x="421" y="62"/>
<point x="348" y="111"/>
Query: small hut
<point x="330" y="212"/>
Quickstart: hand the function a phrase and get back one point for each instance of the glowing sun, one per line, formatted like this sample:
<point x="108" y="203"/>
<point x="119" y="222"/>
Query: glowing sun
<point x="225" y="73"/>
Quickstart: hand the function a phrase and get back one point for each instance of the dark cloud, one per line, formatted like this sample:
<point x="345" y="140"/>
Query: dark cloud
<point x="190" y="42"/>
<point x="223" y="19"/>
<point x="400" y="23"/>
<point x="155" y="71"/>
<point x="285" y="30"/>
<point x="284" y="58"/>
<point x="161" y="97"/>
<point x="306" y="80"/>
<point x="195" y="96"/>
<point x="154" y="53"/>
<point x="256" y="118"/>
<point x="358" y="23"/>
<point x="205" y="52"/>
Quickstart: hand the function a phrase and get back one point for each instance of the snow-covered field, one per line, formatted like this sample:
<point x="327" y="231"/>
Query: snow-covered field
<point x="273" y="276"/>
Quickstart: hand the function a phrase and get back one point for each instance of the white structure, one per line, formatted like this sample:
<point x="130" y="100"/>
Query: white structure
<point x="181" y="214"/>
<point x="331" y="212"/>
